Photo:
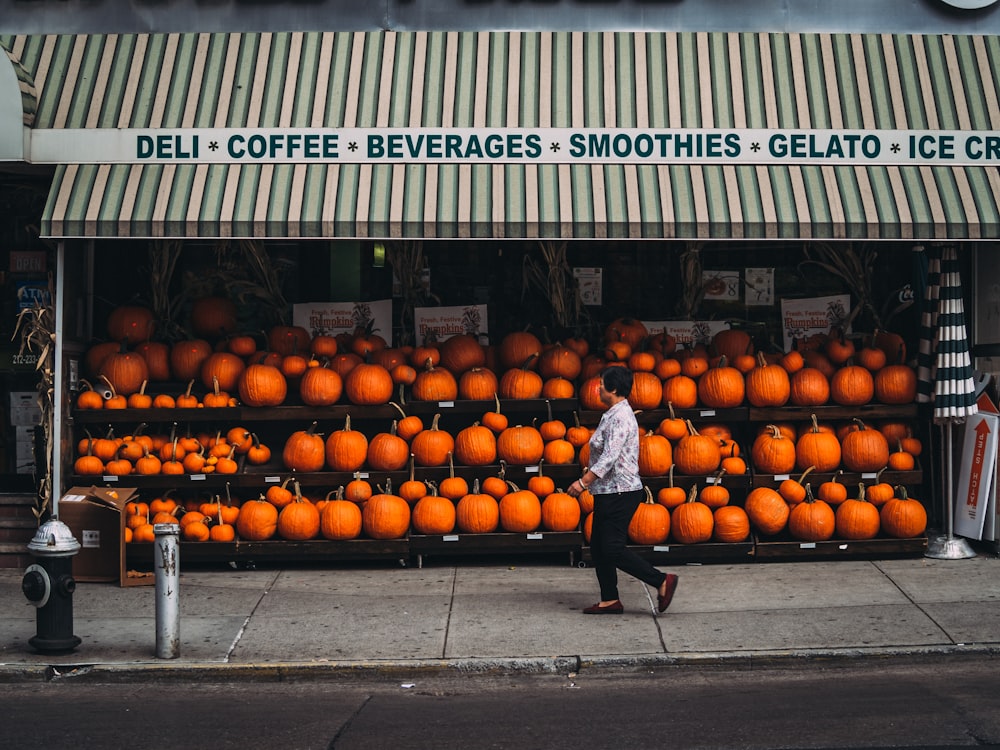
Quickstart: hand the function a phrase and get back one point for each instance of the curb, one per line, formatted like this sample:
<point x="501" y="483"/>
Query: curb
<point x="159" y="671"/>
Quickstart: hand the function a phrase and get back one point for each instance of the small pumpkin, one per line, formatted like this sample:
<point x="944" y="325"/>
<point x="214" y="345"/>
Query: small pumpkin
<point x="434" y="514"/>
<point x="387" y="451"/>
<point x="385" y="515"/>
<point x="650" y="524"/>
<point x="346" y="449"/>
<point x="692" y="522"/>
<point x="432" y="446"/>
<point x="299" y="521"/>
<point x="857" y="518"/>
<point x="475" y="445"/>
<point x="477" y="512"/>
<point x="812" y="520"/>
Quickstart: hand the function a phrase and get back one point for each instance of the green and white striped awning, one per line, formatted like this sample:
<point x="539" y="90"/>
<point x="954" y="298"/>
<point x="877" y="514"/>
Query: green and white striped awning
<point x="508" y="80"/>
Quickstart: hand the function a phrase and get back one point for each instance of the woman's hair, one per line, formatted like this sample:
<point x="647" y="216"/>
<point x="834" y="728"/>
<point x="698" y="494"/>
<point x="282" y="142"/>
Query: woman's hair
<point x="617" y="380"/>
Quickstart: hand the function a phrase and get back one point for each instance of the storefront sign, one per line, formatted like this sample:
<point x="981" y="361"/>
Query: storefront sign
<point x="975" y="490"/>
<point x="687" y="332"/>
<point x="331" y="318"/>
<point x="514" y="146"/>
<point x="441" y="323"/>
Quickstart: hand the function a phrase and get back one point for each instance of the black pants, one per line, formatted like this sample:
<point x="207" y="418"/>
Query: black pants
<point x="608" y="540"/>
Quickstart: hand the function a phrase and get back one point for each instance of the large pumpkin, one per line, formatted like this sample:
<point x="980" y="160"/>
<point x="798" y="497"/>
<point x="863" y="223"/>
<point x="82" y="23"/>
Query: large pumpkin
<point x="434" y="514"/>
<point x="187" y="357"/>
<point x="213" y="317"/>
<point x="560" y="512"/>
<point x="262" y="385"/>
<point x="852" y="385"/>
<point x="903" y="517"/>
<point x="385" y="516"/>
<point x="811" y="520"/>
<point x="518" y="349"/>
<point x="809" y="387"/>
<point x="225" y="367"/>
<point x="692" y="521"/>
<point x="387" y="451"/>
<point x="520" y="510"/>
<point x="696" y="454"/>
<point x="288" y="340"/>
<point x="477" y="512"/>
<point x="767" y="384"/>
<point x="896" y="384"/>
<point x="368" y="385"/>
<point x="346" y="449"/>
<point x="647" y="391"/>
<point x="767" y="510"/>
<point x="476" y="445"/>
<point x="773" y="452"/>
<point x="125" y="371"/>
<point x="857" y="518"/>
<point x="732" y="525"/>
<point x="864" y="449"/>
<point x="722" y="386"/>
<point x="817" y="448"/>
<point x="299" y="521"/>
<point x="434" y="384"/>
<point x="340" y="520"/>
<point x="304" y="451"/>
<point x="460" y="353"/>
<point x="559" y="362"/>
<point x="320" y="386"/>
<point x="257" y="521"/>
<point x="131" y="323"/>
<point x="655" y="455"/>
<point x="520" y="445"/>
<point x="478" y="384"/>
<point x="650" y="524"/>
<point x="432" y="446"/>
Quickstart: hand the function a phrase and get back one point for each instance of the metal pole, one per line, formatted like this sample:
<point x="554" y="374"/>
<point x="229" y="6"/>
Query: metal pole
<point x="166" y="562"/>
<point x="948" y="546"/>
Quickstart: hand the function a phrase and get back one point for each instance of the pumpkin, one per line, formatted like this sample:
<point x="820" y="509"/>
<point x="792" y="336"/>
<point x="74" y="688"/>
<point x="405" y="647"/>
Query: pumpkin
<point x="157" y="356"/>
<point x="767" y="384"/>
<point x="671" y="495"/>
<point x="559" y="452"/>
<point x="460" y="353"/>
<point x="831" y="491"/>
<point x="852" y="385"/>
<point x="520" y="510"/>
<point x="900" y="460"/>
<point x="520" y="445"/>
<point x="288" y="339"/>
<point x="551" y="428"/>
<point x="560" y="512"/>
<point x="320" y="386"/>
<point x="477" y="512"/>
<point x="412" y="489"/>
<point x="130" y="323"/>
<point x="809" y="387"/>
<point x="731" y="524"/>
<point x="629" y="330"/>
<point x="681" y="391"/>
<point x="432" y="446"/>
<point x="577" y="435"/>
<point x="722" y="386"/>
<point x="692" y="521"/>
<point x="434" y="514"/>
<point x="434" y="384"/>
<point x="187" y="358"/>
<point x="519" y="349"/>
<point x="258" y="520"/>
<point x="358" y="490"/>
<point x="773" y="452"/>
<point x="521" y="382"/>
<point x="385" y="516"/>
<point x="857" y="518"/>
<point x="262" y="385"/>
<point x="559" y="361"/>
<point x="647" y="391"/>
<point x="812" y="520"/>
<point x="299" y="521"/>
<point x="495" y="420"/>
<point x="387" y="451"/>
<point x="590" y="395"/>
<point x="864" y="449"/>
<point x="838" y="347"/>
<point x="125" y="371"/>
<point x="408" y="426"/>
<point x="696" y="454"/>
<point x="731" y="343"/>
<point x="896" y="384"/>
<point x="817" y="448"/>
<point x="903" y="517"/>
<point x="453" y="487"/>
<point x="368" y="385"/>
<point x="340" y="519"/>
<point x="793" y="490"/>
<point x="559" y="388"/>
<point x="714" y="494"/>
<point x="478" y="384"/>
<point x="476" y="445"/>
<point x="655" y="454"/>
<point x="304" y="451"/>
<point x="767" y="510"/>
<point x="541" y="484"/>
<point x="346" y="449"/>
<point x="650" y="524"/>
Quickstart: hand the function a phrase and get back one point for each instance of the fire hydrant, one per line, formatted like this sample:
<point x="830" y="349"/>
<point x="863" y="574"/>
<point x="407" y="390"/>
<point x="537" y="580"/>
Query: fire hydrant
<point x="49" y="585"/>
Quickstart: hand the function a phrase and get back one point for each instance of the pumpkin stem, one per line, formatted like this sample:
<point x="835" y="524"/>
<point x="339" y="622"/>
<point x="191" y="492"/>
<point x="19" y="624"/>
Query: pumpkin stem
<point x="691" y="429"/>
<point x="861" y="491"/>
<point x="805" y="473"/>
<point x="110" y="386"/>
<point x="692" y="494"/>
<point x="396" y="406"/>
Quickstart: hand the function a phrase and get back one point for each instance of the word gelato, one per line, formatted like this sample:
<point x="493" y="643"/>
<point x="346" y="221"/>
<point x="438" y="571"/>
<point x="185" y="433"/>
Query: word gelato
<point x="566" y="145"/>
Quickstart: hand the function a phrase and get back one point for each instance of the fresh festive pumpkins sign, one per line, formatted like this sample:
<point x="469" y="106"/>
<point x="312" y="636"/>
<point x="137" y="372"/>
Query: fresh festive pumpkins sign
<point x="441" y="323"/>
<point x="331" y="318"/>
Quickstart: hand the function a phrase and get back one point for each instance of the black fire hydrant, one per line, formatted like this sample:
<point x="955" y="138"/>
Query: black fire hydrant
<point x="49" y="585"/>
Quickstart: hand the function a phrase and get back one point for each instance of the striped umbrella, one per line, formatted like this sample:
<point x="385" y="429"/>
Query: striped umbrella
<point x="944" y="374"/>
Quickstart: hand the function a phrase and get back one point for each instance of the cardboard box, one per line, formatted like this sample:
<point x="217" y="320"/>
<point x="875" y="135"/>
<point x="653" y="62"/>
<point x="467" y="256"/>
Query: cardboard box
<point x="24" y="411"/>
<point x="96" y="516"/>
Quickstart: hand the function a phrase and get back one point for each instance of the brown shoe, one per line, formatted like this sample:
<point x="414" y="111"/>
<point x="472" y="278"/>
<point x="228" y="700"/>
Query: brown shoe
<point x="615" y="608"/>
<point x="663" y="600"/>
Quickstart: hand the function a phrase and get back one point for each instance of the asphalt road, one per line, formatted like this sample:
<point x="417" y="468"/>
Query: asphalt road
<point x="861" y="705"/>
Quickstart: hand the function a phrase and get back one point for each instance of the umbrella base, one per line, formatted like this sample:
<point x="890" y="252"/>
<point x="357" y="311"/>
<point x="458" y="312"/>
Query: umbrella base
<point x="949" y="548"/>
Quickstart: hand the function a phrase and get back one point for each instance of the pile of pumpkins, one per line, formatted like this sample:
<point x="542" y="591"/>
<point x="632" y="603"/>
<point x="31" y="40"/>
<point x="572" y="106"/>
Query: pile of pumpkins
<point x="362" y="369"/>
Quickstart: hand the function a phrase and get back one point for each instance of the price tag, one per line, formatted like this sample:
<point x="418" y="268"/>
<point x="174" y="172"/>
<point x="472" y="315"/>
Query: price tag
<point x="110" y="478"/>
<point x="272" y="480"/>
<point x="807" y="545"/>
<point x="782" y="477"/>
<point x="868" y="475"/>
<point x="446" y="404"/>
<point x="661" y="548"/>
<point x="535" y="536"/>
<point x="449" y="538"/>
<point x="842" y="546"/>
<point x="707" y="413"/>
<point x="197" y="477"/>
<point x="530" y="469"/>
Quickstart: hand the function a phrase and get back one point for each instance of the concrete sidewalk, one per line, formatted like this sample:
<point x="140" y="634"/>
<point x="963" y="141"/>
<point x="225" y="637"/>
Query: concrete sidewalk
<point x="507" y="617"/>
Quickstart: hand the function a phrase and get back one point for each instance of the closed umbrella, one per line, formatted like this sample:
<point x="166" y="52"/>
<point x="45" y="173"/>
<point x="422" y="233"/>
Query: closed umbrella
<point x="945" y="377"/>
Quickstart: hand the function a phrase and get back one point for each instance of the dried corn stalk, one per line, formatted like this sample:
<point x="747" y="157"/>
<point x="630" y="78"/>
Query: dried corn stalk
<point x="553" y="277"/>
<point x="692" y="282"/>
<point x="36" y="329"/>
<point x="162" y="258"/>
<point x="854" y="267"/>
<point x="406" y="258"/>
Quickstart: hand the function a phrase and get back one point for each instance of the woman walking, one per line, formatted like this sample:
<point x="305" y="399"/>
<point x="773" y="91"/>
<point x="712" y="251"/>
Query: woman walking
<point x="613" y="480"/>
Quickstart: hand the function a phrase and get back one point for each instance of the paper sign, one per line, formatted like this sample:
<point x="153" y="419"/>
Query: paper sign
<point x="445" y="322"/>
<point x="802" y="318"/>
<point x="977" y="470"/>
<point x="759" y="284"/>
<point x="722" y="286"/>
<point x="687" y="332"/>
<point x="331" y="318"/>
<point x="590" y="282"/>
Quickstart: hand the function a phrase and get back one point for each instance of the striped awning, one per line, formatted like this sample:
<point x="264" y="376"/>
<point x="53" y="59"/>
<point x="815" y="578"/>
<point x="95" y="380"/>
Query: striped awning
<point x="518" y="79"/>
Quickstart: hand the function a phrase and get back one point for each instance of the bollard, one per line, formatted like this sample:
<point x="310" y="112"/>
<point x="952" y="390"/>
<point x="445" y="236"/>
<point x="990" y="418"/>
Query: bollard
<point x="166" y="562"/>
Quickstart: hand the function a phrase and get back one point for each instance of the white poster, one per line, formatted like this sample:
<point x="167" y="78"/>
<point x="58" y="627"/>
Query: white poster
<point x="590" y="281"/>
<point x="331" y="318"/>
<point x="445" y="322"/>
<point x="687" y="332"/>
<point x="759" y="283"/>
<point x="802" y="318"/>
<point x="721" y="286"/>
